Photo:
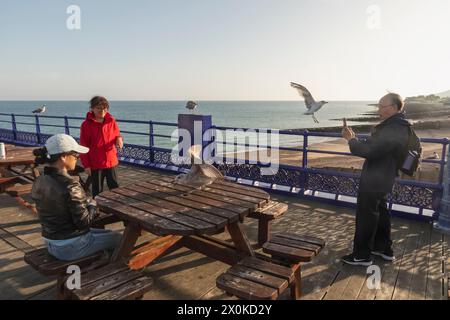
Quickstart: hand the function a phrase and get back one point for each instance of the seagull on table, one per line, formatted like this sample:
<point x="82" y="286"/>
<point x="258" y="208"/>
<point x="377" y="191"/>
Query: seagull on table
<point x="191" y="105"/>
<point x="201" y="173"/>
<point x="311" y="104"/>
<point x="41" y="109"/>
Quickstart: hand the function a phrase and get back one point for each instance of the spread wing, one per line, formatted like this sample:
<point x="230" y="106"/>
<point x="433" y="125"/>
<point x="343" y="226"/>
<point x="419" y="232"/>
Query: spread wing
<point x="309" y="100"/>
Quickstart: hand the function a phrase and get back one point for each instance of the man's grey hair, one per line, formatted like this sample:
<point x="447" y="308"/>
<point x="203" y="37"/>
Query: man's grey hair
<point x="396" y="100"/>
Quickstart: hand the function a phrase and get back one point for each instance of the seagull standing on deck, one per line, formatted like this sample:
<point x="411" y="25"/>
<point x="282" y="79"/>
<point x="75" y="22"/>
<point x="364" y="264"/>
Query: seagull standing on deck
<point x="41" y="109"/>
<point x="311" y="104"/>
<point x="191" y="105"/>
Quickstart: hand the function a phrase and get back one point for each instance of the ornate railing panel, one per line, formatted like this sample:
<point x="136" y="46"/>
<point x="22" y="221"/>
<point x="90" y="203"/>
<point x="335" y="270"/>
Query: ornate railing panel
<point x="298" y="180"/>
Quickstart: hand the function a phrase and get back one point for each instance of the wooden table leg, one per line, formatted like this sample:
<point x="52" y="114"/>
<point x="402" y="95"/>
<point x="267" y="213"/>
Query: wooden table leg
<point x="3" y="172"/>
<point x="296" y="286"/>
<point x="240" y="239"/>
<point x="130" y="235"/>
<point x="35" y="171"/>
<point x="264" y="226"/>
<point x="152" y="251"/>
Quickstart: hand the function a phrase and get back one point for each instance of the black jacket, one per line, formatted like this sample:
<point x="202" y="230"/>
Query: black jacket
<point x="384" y="152"/>
<point x="62" y="205"/>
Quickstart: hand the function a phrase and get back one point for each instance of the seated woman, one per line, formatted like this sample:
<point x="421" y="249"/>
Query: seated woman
<point x="64" y="210"/>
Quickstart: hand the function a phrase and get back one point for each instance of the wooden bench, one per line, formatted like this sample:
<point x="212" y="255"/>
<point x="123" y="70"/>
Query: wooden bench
<point x="48" y="265"/>
<point x="294" y="250"/>
<point x="114" y="281"/>
<point x="19" y="190"/>
<point x="265" y="216"/>
<point x="257" y="279"/>
<point x="6" y="182"/>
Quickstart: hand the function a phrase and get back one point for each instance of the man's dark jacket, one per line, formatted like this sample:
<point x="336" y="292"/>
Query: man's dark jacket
<point x="62" y="205"/>
<point x="384" y="152"/>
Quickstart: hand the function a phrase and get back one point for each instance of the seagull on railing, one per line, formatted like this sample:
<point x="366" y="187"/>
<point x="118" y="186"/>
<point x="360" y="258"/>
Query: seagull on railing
<point x="311" y="104"/>
<point x="41" y="109"/>
<point x="191" y="105"/>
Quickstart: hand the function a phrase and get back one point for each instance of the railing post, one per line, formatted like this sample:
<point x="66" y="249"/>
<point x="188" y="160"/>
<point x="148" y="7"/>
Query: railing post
<point x="66" y="125"/>
<point x="198" y="127"/>
<point x="151" y="142"/>
<point x="14" y="126"/>
<point x="38" y="129"/>
<point x="304" y="174"/>
<point x="443" y="223"/>
<point x="305" y="150"/>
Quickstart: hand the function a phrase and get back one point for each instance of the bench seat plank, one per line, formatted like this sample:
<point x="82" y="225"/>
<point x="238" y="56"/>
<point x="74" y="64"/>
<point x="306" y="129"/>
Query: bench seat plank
<point x="245" y="289"/>
<point x="48" y="265"/>
<point x="256" y="279"/>
<point x="129" y="291"/>
<point x="296" y="244"/>
<point x="303" y="238"/>
<point x="286" y="252"/>
<point x="271" y="211"/>
<point x="114" y="281"/>
<point x="268" y="267"/>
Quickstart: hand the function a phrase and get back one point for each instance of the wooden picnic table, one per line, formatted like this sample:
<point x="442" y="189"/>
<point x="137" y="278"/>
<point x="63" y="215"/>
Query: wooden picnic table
<point x="17" y="156"/>
<point x="183" y="216"/>
<point x="9" y="176"/>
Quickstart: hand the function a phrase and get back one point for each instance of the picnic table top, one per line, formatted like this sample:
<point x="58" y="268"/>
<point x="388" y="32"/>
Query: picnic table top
<point x="165" y="207"/>
<point x="18" y="156"/>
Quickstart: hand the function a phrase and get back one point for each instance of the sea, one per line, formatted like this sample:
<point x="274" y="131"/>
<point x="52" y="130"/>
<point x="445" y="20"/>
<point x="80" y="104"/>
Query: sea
<point x="237" y="114"/>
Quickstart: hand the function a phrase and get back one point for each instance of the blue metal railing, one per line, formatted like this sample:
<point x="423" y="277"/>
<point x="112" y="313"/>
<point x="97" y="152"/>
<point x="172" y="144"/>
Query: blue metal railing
<point x="299" y="179"/>
<point x="414" y="189"/>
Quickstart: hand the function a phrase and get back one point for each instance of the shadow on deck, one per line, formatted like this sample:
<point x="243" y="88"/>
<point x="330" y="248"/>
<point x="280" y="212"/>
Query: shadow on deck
<point x="420" y="272"/>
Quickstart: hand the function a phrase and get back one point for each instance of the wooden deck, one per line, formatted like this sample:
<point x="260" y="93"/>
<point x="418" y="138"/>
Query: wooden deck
<point x="420" y="272"/>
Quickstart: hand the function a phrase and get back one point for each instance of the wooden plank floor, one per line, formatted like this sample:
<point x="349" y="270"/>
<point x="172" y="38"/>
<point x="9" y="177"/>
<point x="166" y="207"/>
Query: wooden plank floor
<point x="420" y="272"/>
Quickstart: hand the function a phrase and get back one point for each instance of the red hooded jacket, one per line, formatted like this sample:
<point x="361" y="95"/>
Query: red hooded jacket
<point x="100" y="138"/>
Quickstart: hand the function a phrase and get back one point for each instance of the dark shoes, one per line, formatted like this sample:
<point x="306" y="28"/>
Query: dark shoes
<point x="387" y="255"/>
<point x="352" y="260"/>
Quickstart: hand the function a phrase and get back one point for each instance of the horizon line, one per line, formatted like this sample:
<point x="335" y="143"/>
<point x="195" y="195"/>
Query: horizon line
<point x="176" y="100"/>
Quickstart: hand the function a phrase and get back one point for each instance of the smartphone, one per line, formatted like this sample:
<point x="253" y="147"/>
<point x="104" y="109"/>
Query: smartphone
<point x="345" y="122"/>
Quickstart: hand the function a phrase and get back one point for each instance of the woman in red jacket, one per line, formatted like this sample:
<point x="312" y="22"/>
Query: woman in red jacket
<point x="100" y="133"/>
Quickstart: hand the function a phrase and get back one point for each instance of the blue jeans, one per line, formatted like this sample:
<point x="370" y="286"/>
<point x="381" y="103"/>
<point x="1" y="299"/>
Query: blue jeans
<point x="94" y="241"/>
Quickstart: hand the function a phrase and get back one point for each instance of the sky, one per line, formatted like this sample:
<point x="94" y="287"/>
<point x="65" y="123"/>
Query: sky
<point x="223" y="49"/>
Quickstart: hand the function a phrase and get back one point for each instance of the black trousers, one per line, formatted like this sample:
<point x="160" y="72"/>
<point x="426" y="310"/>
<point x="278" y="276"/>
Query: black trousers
<point x="98" y="180"/>
<point x="373" y="225"/>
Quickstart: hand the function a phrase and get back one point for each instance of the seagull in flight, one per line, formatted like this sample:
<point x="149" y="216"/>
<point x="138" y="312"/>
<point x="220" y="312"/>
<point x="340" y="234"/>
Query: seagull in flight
<point x="41" y="109"/>
<point x="311" y="104"/>
<point x="191" y="105"/>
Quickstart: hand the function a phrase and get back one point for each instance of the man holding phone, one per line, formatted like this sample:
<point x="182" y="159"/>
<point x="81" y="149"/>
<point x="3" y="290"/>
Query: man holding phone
<point x="383" y="153"/>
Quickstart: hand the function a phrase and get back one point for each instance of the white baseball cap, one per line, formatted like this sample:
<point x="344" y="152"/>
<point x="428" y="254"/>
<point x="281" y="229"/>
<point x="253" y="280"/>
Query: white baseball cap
<point x="63" y="143"/>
